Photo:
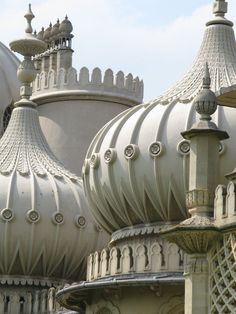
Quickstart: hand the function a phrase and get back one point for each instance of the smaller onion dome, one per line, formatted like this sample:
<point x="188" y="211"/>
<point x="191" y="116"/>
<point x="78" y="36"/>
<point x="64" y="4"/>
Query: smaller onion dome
<point x="47" y="33"/>
<point x="40" y="34"/>
<point x="55" y="29"/>
<point x="66" y="26"/>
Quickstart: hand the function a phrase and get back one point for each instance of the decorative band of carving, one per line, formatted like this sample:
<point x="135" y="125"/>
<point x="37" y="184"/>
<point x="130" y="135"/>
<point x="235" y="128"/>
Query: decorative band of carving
<point x="148" y="256"/>
<point x="196" y="198"/>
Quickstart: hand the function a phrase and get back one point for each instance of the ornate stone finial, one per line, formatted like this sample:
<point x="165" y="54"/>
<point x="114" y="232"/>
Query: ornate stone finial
<point x="28" y="46"/>
<point x="220" y="7"/>
<point x="29" y="17"/>
<point x="206" y="101"/>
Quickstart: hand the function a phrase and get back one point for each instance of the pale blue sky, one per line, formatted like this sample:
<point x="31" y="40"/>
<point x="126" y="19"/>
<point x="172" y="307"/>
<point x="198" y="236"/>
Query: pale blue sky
<point x="154" y="39"/>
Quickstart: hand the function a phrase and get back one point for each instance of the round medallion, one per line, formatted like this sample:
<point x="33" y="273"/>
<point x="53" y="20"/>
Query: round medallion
<point x="58" y="218"/>
<point x="110" y="155"/>
<point x="7" y="214"/>
<point x="184" y="147"/>
<point x="80" y="221"/>
<point x="94" y="160"/>
<point x="155" y="149"/>
<point x="131" y="151"/>
<point x="33" y="216"/>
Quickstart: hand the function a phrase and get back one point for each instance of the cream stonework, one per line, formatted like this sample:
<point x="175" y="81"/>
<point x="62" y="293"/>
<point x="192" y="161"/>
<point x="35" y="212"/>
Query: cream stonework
<point x="153" y="217"/>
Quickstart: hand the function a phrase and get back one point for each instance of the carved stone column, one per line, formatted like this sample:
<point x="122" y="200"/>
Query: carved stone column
<point x="196" y="285"/>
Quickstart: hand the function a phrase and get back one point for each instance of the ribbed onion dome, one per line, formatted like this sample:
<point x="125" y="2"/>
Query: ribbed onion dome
<point x="66" y="26"/>
<point x="136" y="169"/>
<point x="46" y="229"/>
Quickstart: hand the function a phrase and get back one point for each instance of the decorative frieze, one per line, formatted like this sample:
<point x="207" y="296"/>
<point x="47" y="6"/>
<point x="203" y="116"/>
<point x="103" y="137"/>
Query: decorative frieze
<point x="136" y="257"/>
<point x="197" y="198"/>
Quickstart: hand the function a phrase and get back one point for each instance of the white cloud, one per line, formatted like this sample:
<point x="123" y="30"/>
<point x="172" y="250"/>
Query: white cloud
<point x="106" y="37"/>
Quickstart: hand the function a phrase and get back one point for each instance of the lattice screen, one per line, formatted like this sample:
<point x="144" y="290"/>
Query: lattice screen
<point x="223" y="276"/>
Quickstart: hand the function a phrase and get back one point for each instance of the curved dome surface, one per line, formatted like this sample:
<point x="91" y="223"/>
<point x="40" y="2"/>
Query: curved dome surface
<point x="136" y="169"/>
<point x="9" y="84"/>
<point x="46" y="229"/>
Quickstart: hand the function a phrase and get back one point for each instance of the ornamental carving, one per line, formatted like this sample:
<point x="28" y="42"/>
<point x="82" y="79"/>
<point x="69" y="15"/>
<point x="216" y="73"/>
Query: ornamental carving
<point x="131" y="151"/>
<point x="155" y="149"/>
<point x="196" y="198"/>
<point x="184" y="147"/>
<point x="7" y="214"/>
<point x="138" y="257"/>
<point x="110" y="155"/>
<point x="33" y="216"/>
<point x="26" y="151"/>
<point x="80" y="221"/>
<point x="58" y="218"/>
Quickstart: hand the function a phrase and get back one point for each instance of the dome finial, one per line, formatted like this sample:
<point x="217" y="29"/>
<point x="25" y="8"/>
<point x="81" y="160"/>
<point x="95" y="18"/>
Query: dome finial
<point x="29" y="17"/>
<point x="206" y="102"/>
<point x="28" y="46"/>
<point x="220" y="7"/>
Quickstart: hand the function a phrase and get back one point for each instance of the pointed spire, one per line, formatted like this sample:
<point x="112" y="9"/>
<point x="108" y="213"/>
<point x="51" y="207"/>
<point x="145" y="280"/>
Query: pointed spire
<point x="206" y="79"/>
<point x="220" y="7"/>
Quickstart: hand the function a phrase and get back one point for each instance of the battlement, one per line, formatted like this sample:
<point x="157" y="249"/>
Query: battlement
<point x="95" y="83"/>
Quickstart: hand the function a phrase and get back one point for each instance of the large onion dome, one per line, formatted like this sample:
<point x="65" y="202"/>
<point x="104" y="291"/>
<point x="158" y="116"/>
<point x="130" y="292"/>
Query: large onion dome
<point x="136" y="169"/>
<point x="46" y="230"/>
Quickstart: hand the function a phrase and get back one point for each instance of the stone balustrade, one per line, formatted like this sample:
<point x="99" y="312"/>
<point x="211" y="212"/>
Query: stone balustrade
<point x="152" y="256"/>
<point x="225" y="204"/>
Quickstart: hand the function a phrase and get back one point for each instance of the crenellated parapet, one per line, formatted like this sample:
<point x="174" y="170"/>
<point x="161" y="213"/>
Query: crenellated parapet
<point x="151" y="255"/>
<point x="94" y="83"/>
